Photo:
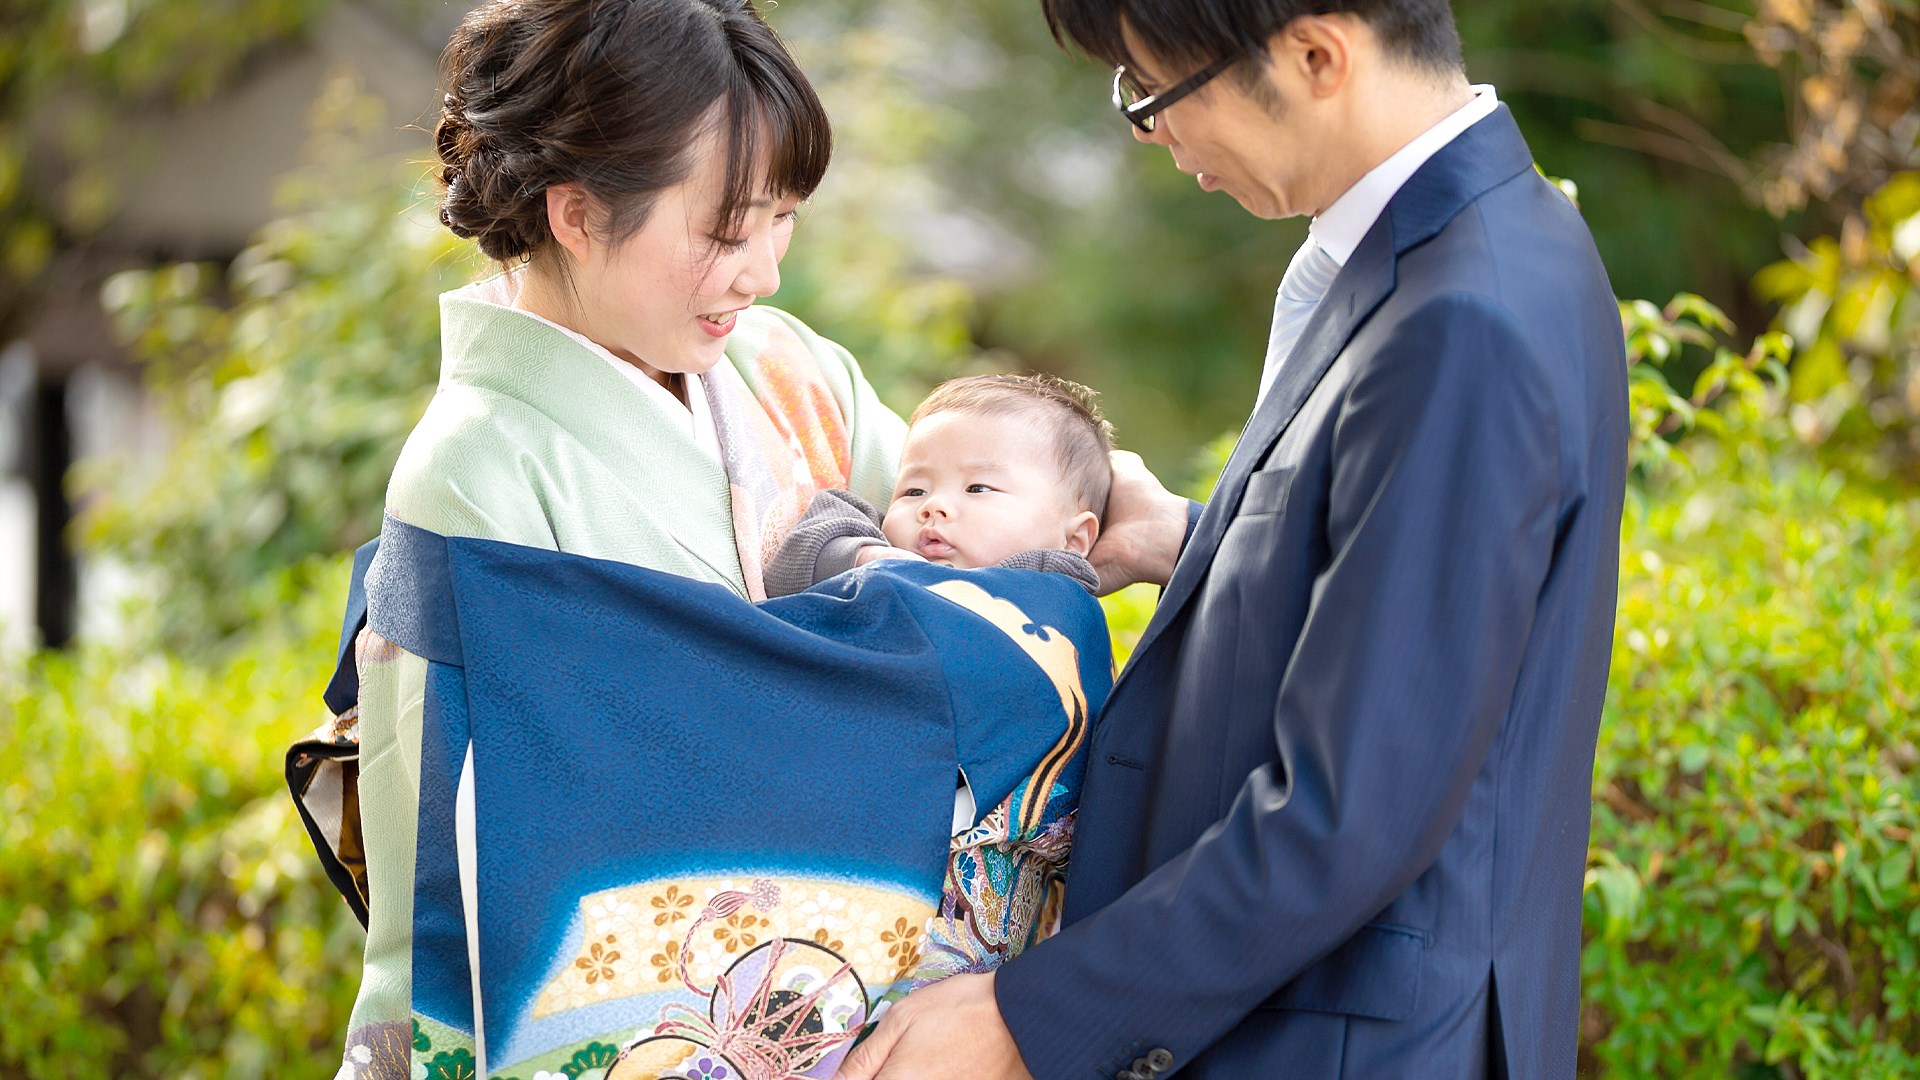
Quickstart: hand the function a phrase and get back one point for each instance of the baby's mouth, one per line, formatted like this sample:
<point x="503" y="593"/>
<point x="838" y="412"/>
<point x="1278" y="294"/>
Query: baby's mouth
<point x="934" y="546"/>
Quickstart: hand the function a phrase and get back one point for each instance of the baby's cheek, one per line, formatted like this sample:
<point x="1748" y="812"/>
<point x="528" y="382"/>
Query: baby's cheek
<point x="899" y="529"/>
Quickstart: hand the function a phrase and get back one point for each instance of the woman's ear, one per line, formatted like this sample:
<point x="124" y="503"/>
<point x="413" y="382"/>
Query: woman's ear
<point x="567" y="219"/>
<point x="1082" y="531"/>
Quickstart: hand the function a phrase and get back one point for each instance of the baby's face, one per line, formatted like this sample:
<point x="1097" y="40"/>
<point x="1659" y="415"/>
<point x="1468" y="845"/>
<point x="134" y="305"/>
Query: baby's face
<point x="976" y="488"/>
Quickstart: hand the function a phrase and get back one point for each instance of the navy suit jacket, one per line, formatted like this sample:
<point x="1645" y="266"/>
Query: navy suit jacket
<point x="1335" y="821"/>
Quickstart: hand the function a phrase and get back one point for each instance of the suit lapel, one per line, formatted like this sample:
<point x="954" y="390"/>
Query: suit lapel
<point x="1488" y="153"/>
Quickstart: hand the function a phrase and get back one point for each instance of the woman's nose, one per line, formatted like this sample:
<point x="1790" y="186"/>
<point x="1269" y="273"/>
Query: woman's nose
<point x="760" y="275"/>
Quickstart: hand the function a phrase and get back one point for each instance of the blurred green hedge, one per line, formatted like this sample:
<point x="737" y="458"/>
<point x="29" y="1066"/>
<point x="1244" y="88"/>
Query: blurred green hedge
<point x="161" y="911"/>
<point x="1752" y="897"/>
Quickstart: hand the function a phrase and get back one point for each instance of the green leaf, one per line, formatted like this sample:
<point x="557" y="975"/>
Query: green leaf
<point x="1694" y="757"/>
<point x="1895" y="871"/>
<point x="1784" y="915"/>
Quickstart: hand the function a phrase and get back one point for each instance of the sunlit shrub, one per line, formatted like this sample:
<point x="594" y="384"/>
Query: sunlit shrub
<point x="161" y="911"/>
<point x="1751" y="898"/>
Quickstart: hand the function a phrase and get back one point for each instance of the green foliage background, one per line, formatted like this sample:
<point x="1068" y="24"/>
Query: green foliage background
<point x="1752" y="905"/>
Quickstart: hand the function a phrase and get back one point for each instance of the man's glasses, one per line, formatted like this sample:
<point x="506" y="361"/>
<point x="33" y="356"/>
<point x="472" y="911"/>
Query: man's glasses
<point x="1141" y="107"/>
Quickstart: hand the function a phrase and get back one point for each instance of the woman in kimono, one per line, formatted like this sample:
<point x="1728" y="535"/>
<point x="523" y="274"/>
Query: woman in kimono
<point x="618" y="392"/>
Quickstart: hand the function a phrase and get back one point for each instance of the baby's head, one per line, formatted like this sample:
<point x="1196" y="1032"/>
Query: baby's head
<point x="999" y="464"/>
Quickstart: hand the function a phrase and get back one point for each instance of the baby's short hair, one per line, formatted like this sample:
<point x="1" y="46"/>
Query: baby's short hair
<point x="1082" y="438"/>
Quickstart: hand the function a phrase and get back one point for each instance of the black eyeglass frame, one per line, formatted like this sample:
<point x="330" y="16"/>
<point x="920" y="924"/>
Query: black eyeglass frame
<point x="1142" y="112"/>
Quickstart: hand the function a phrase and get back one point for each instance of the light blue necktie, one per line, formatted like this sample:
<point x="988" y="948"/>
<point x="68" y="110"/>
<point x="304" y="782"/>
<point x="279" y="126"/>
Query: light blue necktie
<point x="1306" y="281"/>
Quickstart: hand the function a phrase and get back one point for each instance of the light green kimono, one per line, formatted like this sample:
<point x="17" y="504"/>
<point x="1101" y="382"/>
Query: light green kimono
<point x="533" y="439"/>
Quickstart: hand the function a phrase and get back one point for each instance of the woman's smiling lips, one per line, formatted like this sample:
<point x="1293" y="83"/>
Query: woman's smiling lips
<point x="719" y="325"/>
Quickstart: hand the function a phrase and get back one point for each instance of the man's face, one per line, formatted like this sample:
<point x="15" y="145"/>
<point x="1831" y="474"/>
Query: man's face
<point x="1260" y="147"/>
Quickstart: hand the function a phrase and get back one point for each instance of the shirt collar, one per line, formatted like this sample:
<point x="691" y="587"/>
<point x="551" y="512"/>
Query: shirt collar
<point x="1340" y="228"/>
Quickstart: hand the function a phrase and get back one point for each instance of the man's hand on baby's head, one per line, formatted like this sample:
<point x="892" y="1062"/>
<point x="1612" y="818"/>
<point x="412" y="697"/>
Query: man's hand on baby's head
<point x="876" y="552"/>
<point x="1145" y="526"/>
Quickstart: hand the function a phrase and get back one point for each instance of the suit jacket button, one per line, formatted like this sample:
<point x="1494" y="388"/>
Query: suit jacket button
<point x="1143" y="1069"/>
<point x="1129" y="1074"/>
<point x="1158" y="1059"/>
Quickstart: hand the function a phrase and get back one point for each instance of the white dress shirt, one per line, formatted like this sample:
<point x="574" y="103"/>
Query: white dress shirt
<point x="1338" y="230"/>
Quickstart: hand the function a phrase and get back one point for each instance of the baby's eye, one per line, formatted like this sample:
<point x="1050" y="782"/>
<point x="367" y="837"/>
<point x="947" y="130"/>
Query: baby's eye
<point x="975" y="489"/>
<point x="910" y="493"/>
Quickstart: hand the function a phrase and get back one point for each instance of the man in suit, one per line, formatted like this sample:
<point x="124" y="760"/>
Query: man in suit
<point x="1335" y="821"/>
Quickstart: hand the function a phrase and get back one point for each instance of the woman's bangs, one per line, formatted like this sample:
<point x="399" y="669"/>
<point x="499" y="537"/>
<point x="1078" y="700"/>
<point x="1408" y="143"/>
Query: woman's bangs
<point x="802" y="141"/>
<point x="779" y="141"/>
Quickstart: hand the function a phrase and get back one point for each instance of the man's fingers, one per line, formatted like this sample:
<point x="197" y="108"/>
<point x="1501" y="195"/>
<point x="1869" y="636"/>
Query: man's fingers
<point x="867" y="1059"/>
<point x="863" y="1064"/>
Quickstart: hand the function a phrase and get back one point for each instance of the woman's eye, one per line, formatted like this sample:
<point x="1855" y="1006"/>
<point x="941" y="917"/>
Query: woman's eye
<point x="787" y="218"/>
<point x="725" y="244"/>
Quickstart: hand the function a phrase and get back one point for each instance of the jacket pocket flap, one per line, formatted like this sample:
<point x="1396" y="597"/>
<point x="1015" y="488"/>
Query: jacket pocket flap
<point x="1267" y="491"/>
<point x="1375" y="973"/>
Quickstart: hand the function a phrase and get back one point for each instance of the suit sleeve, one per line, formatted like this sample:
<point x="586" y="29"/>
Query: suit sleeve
<point x="1440" y="525"/>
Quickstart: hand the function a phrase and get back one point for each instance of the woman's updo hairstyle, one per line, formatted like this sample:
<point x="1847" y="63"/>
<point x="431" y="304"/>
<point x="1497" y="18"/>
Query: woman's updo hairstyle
<point x="611" y="95"/>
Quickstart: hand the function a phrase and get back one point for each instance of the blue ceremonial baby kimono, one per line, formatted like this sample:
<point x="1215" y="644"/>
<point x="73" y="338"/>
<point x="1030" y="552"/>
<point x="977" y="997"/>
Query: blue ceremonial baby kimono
<point x="708" y="837"/>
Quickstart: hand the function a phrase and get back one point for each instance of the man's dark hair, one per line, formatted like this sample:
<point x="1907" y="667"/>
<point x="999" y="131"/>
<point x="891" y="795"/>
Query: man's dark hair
<point x="1194" y="33"/>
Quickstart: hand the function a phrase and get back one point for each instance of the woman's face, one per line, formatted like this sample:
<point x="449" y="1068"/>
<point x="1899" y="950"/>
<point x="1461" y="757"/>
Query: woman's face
<point x="667" y="297"/>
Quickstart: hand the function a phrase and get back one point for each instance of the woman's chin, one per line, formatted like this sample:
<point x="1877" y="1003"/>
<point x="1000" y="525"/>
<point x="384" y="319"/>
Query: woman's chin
<point x="696" y="361"/>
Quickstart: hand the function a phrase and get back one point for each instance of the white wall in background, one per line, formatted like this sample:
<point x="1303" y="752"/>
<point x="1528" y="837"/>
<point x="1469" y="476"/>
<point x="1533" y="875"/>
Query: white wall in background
<point x="16" y="503"/>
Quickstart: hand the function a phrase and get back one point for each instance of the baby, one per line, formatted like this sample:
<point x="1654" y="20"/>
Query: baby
<point x="998" y="470"/>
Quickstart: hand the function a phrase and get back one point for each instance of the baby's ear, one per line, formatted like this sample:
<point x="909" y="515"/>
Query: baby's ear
<point x="1082" y="531"/>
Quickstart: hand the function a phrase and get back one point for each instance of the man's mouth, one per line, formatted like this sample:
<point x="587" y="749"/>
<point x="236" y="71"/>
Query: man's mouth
<point x="1208" y="181"/>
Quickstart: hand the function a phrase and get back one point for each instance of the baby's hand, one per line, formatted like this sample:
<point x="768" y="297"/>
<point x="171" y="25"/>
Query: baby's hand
<point x="876" y="552"/>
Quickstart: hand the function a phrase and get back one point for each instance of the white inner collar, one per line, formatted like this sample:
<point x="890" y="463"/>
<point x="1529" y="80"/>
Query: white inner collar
<point x="693" y="418"/>
<point x="1340" y="228"/>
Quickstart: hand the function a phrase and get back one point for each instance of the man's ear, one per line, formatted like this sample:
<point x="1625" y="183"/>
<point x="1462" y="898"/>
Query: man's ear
<point x="1082" y="531"/>
<point x="567" y="219"/>
<point x="1315" y="53"/>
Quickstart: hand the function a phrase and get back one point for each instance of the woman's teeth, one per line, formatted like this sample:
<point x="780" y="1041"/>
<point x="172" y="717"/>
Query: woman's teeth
<point x="720" y="320"/>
